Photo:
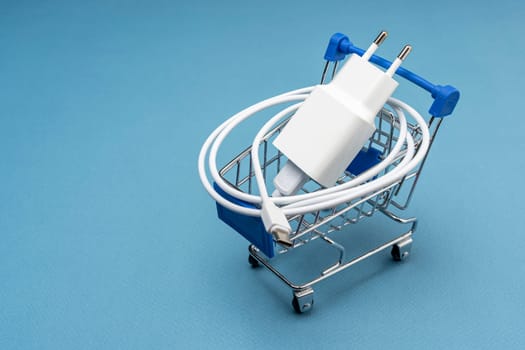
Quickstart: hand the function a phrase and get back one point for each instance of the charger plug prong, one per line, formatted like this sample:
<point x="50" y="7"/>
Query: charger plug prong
<point x="373" y="47"/>
<point x="404" y="53"/>
<point x="399" y="59"/>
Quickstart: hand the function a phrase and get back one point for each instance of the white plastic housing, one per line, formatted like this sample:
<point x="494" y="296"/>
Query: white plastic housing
<point x="289" y="180"/>
<point x="336" y="120"/>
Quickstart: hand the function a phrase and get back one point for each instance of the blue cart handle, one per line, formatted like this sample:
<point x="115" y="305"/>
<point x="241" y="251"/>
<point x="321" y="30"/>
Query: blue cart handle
<point x="445" y="97"/>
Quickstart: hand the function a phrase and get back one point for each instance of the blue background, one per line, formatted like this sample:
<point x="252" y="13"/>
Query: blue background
<point x="107" y="239"/>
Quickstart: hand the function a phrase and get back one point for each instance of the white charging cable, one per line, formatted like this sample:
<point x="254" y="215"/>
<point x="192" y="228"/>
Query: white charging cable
<point x="334" y="119"/>
<point x="274" y="210"/>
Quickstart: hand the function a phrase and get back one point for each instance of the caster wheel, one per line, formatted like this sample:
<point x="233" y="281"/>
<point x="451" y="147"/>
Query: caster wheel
<point x="253" y="262"/>
<point x="396" y="255"/>
<point x="301" y="308"/>
<point x="303" y="301"/>
<point x="401" y="250"/>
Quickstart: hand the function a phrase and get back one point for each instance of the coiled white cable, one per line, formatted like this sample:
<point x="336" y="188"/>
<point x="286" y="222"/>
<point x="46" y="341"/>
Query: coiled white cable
<point x="321" y="199"/>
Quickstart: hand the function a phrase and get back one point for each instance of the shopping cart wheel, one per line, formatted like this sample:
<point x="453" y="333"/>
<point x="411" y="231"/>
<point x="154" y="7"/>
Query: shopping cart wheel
<point x="253" y="261"/>
<point x="303" y="300"/>
<point x="401" y="251"/>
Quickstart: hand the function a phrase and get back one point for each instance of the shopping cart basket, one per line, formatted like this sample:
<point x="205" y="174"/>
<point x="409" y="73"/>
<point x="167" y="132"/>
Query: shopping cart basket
<point x="323" y="224"/>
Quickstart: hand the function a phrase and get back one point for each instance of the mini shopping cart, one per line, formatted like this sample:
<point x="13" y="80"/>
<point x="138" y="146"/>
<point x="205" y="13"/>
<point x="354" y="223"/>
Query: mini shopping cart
<point x="324" y="225"/>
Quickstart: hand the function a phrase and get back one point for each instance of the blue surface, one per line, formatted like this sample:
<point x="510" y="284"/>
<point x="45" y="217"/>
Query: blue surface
<point x="108" y="240"/>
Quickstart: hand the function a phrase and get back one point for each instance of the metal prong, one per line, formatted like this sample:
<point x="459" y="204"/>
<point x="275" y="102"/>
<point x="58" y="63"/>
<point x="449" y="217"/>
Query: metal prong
<point x="397" y="62"/>
<point x="282" y="237"/>
<point x="404" y="53"/>
<point x="373" y="47"/>
<point x="380" y="38"/>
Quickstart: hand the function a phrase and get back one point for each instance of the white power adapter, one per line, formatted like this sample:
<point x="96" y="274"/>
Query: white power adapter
<point x="334" y="122"/>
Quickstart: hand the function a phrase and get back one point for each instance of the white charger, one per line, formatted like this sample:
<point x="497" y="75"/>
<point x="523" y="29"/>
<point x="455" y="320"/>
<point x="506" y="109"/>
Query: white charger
<point x="334" y="122"/>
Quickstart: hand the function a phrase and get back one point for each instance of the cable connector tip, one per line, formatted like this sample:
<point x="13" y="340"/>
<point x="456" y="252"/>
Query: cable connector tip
<point x="282" y="237"/>
<point x="276" y="224"/>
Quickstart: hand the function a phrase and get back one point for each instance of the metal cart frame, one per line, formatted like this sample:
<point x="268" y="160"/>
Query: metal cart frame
<point x="324" y="224"/>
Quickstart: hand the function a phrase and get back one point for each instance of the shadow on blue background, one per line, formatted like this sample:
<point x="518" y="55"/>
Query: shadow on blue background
<point x="109" y="241"/>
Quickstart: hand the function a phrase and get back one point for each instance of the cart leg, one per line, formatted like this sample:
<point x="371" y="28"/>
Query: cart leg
<point x="303" y="300"/>
<point x="401" y="251"/>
